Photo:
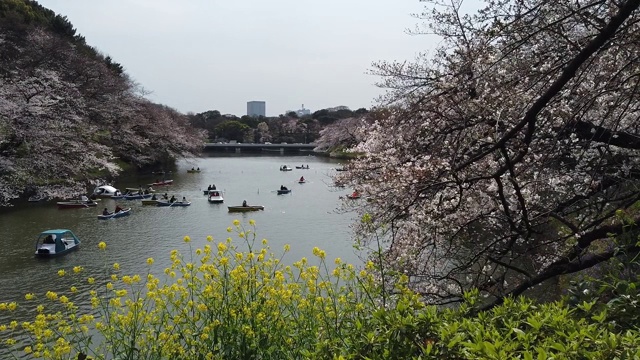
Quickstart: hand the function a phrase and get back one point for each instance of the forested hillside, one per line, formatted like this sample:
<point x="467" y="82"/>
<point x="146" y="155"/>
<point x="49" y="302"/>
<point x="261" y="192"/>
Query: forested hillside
<point x="69" y="114"/>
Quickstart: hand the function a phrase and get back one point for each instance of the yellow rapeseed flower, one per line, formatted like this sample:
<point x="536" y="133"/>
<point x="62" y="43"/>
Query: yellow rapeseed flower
<point x="12" y="306"/>
<point x="229" y="229"/>
<point x="77" y="269"/>
<point x="51" y="295"/>
<point x="29" y="296"/>
<point x="236" y="222"/>
<point x="187" y="239"/>
<point x="102" y="245"/>
<point x="252" y="222"/>
<point x="91" y="280"/>
<point x="74" y="289"/>
<point x="209" y="238"/>
<point x="264" y="242"/>
<point x="61" y="272"/>
<point x="116" y="266"/>
<point x="150" y="261"/>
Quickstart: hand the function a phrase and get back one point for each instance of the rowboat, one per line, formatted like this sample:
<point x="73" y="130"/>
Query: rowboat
<point x="175" y="203"/>
<point x="206" y="192"/>
<point x="301" y="181"/>
<point x="282" y="192"/>
<point x="215" y="197"/>
<point x="149" y="202"/>
<point x="192" y="171"/>
<point x="285" y="168"/>
<point x="137" y="196"/>
<point x="303" y="167"/>
<point x="106" y="191"/>
<point x="245" y="208"/>
<point x="56" y="242"/>
<point x="72" y="204"/>
<point x="121" y="213"/>
<point x="161" y="183"/>
<point x="353" y="196"/>
<point x="138" y="189"/>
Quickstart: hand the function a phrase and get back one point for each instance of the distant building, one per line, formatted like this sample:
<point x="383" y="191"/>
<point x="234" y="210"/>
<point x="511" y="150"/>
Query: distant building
<point x="300" y="112"/>
<point x="256" y="108"/>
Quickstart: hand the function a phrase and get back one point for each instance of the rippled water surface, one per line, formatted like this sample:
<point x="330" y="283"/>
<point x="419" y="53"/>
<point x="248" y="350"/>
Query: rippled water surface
<point x="305" y="218"/>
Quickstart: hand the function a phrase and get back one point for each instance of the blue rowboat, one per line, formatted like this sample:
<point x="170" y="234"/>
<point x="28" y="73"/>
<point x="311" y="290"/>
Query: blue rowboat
<point x="120" y="213"/>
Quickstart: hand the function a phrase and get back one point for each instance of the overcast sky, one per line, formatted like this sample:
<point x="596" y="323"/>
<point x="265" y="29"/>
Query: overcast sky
<point x="199" y="55"/>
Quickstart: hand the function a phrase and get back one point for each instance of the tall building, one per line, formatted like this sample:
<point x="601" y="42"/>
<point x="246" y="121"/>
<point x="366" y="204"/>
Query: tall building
<point x="256" y="108"/>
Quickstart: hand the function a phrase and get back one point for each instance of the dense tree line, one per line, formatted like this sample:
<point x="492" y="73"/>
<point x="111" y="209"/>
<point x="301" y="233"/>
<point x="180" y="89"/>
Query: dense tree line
<point x="68" y="114"/>
<point x="288" y="127"/>
<point x="510" y="156"/>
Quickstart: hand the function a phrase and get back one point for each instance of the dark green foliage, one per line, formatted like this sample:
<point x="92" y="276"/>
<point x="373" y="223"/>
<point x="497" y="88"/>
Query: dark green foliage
<point x="17" y="15"/>
<point x="232" y="130"/>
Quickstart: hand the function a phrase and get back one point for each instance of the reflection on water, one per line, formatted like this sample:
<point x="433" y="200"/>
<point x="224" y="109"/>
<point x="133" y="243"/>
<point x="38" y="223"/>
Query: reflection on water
<point x="305" y="218"/>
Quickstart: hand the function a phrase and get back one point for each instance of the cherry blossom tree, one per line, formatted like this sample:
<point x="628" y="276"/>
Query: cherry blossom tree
<point x="511" y="153"/>
<point x="66" y="114"/>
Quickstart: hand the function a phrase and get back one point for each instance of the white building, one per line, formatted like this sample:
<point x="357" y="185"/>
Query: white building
<point x="256" y="108"/>
<point x="300" y="112"/>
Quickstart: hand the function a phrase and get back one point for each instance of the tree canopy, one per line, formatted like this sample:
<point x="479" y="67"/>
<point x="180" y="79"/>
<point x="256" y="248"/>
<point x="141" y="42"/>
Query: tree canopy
<point x="510" y="155"/>
<point x="68" y="114"/>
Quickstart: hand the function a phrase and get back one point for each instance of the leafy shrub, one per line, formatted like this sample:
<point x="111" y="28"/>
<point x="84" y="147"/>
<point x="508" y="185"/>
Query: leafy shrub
<point x="223" y="303"/>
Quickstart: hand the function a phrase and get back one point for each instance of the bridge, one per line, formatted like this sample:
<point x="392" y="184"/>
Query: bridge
<point x="259" y="148"/>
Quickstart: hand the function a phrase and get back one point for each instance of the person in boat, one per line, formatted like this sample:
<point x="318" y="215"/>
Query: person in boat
<point x="184" y="199"/>
<point x="282" y="187"/>
<point x="118" y="209"/>
<point x="244" y="203"/>
<point x="213" y="187"/>
<point x="173" y="198"/>
<point x="355" y="194"/>
<point x="198" y="169"/>
<point x="165" y="196"/>
<point x="301" y="178"/>
<point x="154" y="197"/>
<point x="193" y="169"/>
<point x="49" y="240"/>
<point x="209" y="187"/>
<point x="105" y="212"/>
